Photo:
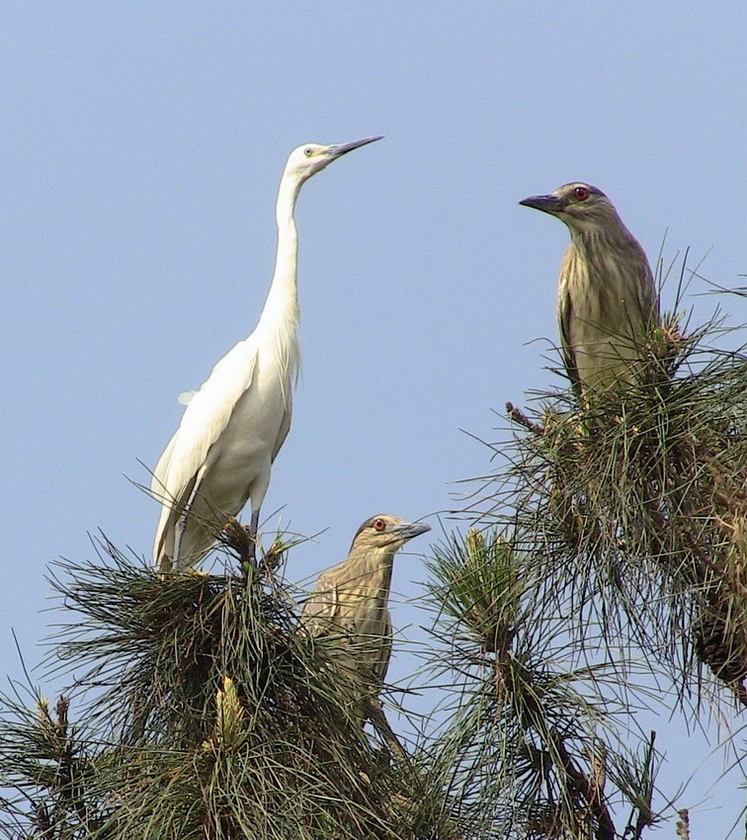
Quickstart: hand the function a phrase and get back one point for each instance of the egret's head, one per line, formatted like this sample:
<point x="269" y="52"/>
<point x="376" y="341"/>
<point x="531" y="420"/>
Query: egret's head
<point x="311" y="158"/>
<point x="581" y="206"/>
<point x="382" y="530"/>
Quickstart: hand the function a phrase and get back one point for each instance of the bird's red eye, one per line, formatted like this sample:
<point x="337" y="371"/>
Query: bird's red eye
<point x="581" y="193"/>
<point x="379" y="524"/>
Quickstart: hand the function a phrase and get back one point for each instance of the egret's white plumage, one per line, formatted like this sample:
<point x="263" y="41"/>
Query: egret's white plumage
<point x="233" y="427"/>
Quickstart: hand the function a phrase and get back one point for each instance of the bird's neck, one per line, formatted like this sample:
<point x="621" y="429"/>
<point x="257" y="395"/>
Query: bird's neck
<point x="280" y="315"/>
<point x="591" y="237"/>
<point x="375" y="575"/>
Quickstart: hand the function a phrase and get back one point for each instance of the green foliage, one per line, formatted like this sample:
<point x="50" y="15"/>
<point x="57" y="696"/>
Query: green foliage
<point x="478" y="585"/>
<point x="637" y="503"/>
<point x="535" y="738"/>
<point x="204" y="713"/>
<point x="611" y="547"/>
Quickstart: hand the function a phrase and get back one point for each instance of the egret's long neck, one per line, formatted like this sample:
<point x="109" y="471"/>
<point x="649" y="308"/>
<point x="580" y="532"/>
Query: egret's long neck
<point x="280" y="314"/>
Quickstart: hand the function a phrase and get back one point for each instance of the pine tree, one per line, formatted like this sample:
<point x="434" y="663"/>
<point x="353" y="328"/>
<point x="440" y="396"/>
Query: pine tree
<point x="604" y="560"/>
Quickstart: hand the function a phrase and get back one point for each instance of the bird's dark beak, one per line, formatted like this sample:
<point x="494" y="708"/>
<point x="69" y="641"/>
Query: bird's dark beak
<point x="408" y="530"/>
<point x="344" y="148"/>
<point x="546" y="203"/>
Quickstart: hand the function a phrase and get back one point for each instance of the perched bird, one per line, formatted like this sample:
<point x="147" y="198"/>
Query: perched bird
<point x="234" y="426"/>
<point x="607" y="299"/>
<point x="352" y="599"/>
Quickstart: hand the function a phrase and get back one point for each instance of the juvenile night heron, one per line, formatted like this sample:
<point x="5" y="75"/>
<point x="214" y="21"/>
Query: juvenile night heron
<point x="352" y="599"/>
<point x="607" y="299"/>
<point x="233" y="427"/>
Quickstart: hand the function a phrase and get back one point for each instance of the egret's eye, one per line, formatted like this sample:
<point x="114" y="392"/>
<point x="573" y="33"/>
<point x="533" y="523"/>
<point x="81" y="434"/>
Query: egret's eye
<point x="580" y="193"/>
<point x="379" y="524"/>
<point x="308" y="151"/>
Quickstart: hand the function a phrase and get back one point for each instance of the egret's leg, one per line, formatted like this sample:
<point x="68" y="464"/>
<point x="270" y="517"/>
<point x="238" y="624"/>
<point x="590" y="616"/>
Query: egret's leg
<point x="178" y="534"/>
<point x="253" y="528"/>
<point x="181" y="527"/>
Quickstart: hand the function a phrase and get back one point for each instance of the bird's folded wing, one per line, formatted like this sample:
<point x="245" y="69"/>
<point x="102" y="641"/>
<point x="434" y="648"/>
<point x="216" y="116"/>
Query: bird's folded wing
<point x="648" y="300"/>
<point x="204" y="420"/>
<point x="284" y="429"/>
<point x="385" y="652"/>
<point x="320" y="610"/>
<point x="565" y="313"/>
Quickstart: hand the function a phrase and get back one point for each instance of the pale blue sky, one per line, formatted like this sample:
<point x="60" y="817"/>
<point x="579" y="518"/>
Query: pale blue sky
<point x="142" y="144"/>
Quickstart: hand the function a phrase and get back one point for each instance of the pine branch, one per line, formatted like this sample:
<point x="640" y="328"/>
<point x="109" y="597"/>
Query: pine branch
<point x="527" y="732"/>
<point x="518" y="416"/>
<point x="212" y="716"/>
<point x="636" y="505"/>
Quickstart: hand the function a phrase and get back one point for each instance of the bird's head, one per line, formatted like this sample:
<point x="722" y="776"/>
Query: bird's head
<point x="382" y="531"/>
<point x="581" y="206"/>
<point x="311" y="158"/>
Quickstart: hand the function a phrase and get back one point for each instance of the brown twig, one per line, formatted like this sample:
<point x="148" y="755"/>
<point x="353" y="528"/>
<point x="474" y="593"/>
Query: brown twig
<point x="581" y="785"/>
<point x="518" y="416"/>
<point x="644" y="809"/>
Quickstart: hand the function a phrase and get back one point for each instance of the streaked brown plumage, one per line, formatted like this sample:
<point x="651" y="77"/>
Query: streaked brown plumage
<point x="607" y="299"/>
<point x="351" y="602"/>
<point x="352" y="599"/>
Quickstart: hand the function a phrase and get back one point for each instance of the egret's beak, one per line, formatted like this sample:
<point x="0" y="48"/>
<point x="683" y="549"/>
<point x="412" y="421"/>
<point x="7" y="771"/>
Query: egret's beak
<point x="343" y="148"/>
<point x="408" y="530"/>
<point x="547" y="203"/>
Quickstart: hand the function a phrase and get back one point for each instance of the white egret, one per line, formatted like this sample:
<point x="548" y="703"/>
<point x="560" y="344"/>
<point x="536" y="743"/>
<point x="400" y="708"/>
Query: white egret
<point x="233" y="427"/>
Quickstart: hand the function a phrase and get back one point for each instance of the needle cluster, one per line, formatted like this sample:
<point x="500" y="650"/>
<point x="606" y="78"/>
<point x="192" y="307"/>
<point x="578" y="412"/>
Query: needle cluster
<point x="535" y="735"/>
<point x="202" y="711"/>
<point x="635" y="506"/>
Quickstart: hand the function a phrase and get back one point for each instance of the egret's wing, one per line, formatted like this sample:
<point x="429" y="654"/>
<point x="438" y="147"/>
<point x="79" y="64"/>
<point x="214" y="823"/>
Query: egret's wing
<point x="156" y="484"/>
<point x="204" y="420"/>
<point x="284" y="428"/>
<point x="164" y="545"/>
